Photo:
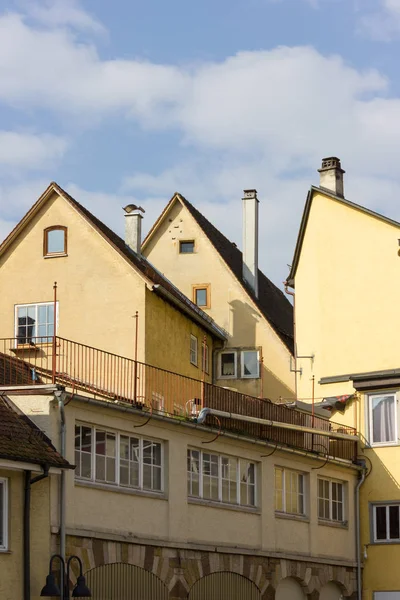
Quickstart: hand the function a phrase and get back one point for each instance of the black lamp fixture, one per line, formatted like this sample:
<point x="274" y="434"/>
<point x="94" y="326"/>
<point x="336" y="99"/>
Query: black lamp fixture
<point x="51" y="589"/>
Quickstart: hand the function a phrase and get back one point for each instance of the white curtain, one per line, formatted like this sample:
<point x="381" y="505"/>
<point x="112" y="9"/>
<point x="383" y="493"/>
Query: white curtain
<point x="383" y="419"/>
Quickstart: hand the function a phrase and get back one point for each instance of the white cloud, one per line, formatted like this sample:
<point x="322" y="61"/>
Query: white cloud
<point x="20" y="150"/>
<point x="61" y="13"/>
<point x="382" y="24"/>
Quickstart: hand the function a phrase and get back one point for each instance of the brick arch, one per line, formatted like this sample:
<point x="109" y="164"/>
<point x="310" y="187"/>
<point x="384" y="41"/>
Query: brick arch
<point x="312" y="577"/>
<point x="117" y="579"/>
<point x="221" y="582"/>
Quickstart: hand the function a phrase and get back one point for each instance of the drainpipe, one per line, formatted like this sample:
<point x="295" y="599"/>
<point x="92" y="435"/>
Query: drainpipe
<point x="27" y="527"/>
<point x="358" y="533"/>
<point x="59" y="394"/>
<point x="285" y="283"/>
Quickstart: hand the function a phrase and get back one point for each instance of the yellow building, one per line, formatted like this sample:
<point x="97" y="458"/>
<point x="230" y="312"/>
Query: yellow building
<point x="228" y="286"/>
<point x="345" y="275"/>
<point x="107" y="296"/>
<point x="29" y="464"/>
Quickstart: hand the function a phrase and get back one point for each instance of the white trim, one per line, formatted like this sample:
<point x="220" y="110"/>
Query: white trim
<point x="36" y="304"/>
<point x="284" y="509"/>
<point x="194" y="339"/>
<point x="4" y="492"/>
<point x="242" y="374"/>
<point x="370" y="419"/>
<point x="330" y="499"/>
<point x="388" y="539"/>
<point x="15" y="465"/>
<point x="220" y="375"/>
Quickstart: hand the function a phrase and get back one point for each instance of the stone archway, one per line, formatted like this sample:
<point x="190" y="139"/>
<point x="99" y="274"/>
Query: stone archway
<point x="289" y="589"/>
<point x="331" y="591"/>
<point x="224" y="585"/>
<point x="125" y="582"/>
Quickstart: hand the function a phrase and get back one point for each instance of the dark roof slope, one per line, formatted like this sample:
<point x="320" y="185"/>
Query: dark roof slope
<point x="271" y="301"/>
<point x="140" y="262"/>
<point x="21" y="440"/>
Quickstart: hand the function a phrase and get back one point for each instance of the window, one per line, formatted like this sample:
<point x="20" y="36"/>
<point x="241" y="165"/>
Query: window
<point x="382" y="419"/>
<point x="250" y="364"/>
<point x="201" y="295"/>
<point x="227" y="365"/>
<point x="3" y="513"/>
<point x="34" y="323"/>
<point x="330" y="500"/>
<point x="289" y="491"/>
<point x="123" y="460"/>
<point x="186" y="247"/>
<point x="193" y="350"/>
<point x="221" y="478"/>
<point x="386" y="523"/>
<point x="55" y="241"/>
<point x="205" y="353"/>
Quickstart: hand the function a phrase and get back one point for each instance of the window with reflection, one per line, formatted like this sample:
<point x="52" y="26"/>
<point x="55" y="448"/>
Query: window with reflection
<point x="55" y="241"/>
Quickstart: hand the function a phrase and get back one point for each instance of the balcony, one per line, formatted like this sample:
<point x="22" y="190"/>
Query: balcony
<point x="109" y="377"/>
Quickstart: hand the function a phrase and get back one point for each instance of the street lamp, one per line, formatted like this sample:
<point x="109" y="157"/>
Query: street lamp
<point x="51" y="588"/>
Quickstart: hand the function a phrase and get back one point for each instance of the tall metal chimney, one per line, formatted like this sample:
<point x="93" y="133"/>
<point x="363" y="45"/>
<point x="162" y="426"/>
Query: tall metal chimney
<point x="133" y="227"/>
<point x="250" y="239"/>
<point x="331" y="176"/>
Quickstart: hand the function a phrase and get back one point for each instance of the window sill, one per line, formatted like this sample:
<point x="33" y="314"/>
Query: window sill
<point x="62" y="254"/>
<point x="385" y="543"/>
<point x="336" y="524"/>
<point x="121" y="490"/>
<point x="5" y="551"/>
<point x="292" y="517"/>
<point x="234" y="507"/>
<point x="194" y="364"/>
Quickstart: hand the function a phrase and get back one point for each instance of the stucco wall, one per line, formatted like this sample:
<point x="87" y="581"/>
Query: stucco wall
<point x="230" y="307"/>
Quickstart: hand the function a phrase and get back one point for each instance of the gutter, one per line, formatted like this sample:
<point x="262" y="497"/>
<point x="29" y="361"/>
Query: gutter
<point x="207" y="429"/>
<point x="198" y="317"/>
<point x="227" y="415"/>
<point x="27" y="528"/>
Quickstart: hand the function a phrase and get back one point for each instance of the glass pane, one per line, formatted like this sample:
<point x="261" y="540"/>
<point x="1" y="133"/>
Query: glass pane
<point x="55" y="241"/>
<point x="394" y="532"/>
<point x="86" y="465"/>
<point x="201" y="297"/>
<point x="278" y="500"/>
<point x="380" y="518"/>
<point x="228" y="363"/>
<point x="78" y="463"/>
<point x="124" y="447"/>
<point x="124" y="472"/>
<point x="195" y="491"/>
<point x="110" y="469"/>
<point x="134" y="443"/>
<point x="157" y="454"/>
<point x="100" y="468"/>
<point x="101" y="442"/>
<point x="77" y="436"/>
<point x="147" y="477"/>
<point x="157" y="478"/>
<point x="134" y="474"/>
<point x="42" y="314"/>
<point x="110" y="447"/>
<point x="1" y="514"/>
<point x="278" y="479"/>
<point x="86" y="439"/>
<point x="186" y="247"/>
<point x="250" y="363"/>
<point x="383" y="419"/>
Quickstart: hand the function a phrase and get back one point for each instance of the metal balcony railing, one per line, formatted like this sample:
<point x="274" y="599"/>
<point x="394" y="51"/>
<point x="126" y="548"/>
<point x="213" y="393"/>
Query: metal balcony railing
<point x="103" y="375"/>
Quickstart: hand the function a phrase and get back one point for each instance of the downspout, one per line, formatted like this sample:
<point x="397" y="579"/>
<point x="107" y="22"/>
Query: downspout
<point x="27" y="527"/>
<point x="358" y="533"/>
<point x="285" y="283"/>
<point x="59" y="394"/>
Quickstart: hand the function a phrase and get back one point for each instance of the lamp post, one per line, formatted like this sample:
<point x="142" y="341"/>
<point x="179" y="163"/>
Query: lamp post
<point x="51" y="588"/>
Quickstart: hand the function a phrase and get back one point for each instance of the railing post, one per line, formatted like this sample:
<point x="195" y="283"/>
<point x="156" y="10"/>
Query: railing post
<point x="54" y="347"/>
<point x="135" y="363"/>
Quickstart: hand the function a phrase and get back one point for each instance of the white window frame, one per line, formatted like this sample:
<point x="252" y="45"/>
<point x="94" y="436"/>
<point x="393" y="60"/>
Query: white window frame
<point x="242" y="374"/>
<point x="4" y="492"/>
<point x="388" y="539"/>
<point x="117" y="483"/>
<point x="205" y="358"/>
<point x="330" y="518"/>
<point x="36" y="305"/>
<point x="220" y="478"/>
<point x="194" y="350"/>
<point x="220" y="375"/>
<point x="370" y="419"/>
<point x="284" y="483"/>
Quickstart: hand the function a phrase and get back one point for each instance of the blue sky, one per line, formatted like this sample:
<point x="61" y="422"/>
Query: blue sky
<point x="133" y="100"/>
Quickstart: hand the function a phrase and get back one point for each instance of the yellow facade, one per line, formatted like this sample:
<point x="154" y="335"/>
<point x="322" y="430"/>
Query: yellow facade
<point x="346" y="284"/>
<point x="98" y="294"/>
<point x="230" y="306"/>
<point x="11" y="561"/>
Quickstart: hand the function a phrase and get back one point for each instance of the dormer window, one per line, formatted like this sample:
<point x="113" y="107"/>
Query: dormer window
<point x="55" y="241"/>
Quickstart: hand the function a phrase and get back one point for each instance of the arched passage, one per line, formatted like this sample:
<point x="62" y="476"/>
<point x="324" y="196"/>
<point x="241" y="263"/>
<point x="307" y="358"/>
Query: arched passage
<point x="125" y="582"/>
<point x="224" y="586"/>
<point x="331" y="591"/>
<point x="289" y="589"/>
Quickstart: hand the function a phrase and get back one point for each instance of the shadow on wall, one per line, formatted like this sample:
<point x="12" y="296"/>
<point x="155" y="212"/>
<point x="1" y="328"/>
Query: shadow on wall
<point x="244" y="323"/>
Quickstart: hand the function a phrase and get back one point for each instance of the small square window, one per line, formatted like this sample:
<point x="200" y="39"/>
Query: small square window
<point x="186" y="247"/>
<point x="227" y="365"/>
<point x="55" y="241"/>
<point x="201" y="295"/>
<point x="250" y="364"/>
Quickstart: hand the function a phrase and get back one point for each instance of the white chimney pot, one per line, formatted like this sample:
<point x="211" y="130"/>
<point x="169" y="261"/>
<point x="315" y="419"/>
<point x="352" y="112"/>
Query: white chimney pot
<point x="133" y="231"/>
<point x="331" y="176"/>
<point x="250" y="239"/>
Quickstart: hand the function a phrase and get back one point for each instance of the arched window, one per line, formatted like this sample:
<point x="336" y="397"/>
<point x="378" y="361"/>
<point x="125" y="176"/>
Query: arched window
<point x="55" y="241"/>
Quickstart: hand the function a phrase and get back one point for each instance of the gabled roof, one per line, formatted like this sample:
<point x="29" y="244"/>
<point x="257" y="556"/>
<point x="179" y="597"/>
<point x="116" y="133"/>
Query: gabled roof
<point x="271" y="301"/>
<point x="22" y="441"/>
<point x="140" y="263"/>
<point x="304" y="220"/>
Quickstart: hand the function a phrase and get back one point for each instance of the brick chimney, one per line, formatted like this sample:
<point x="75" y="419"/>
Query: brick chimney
<point x="331" y="176"/>
<point x="250" y="239"/>
<point x="133" y="227"/>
